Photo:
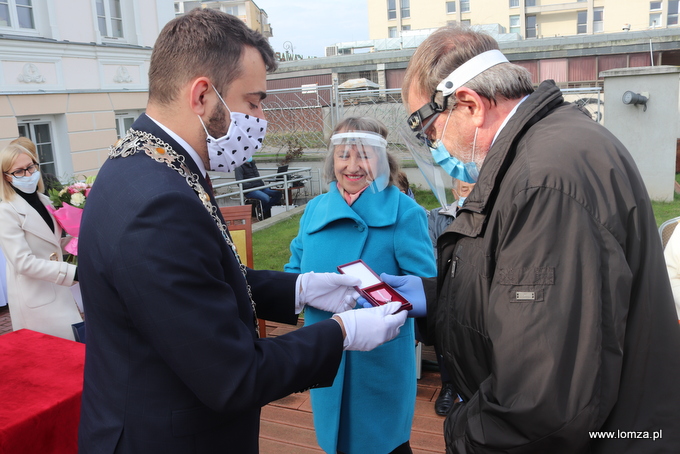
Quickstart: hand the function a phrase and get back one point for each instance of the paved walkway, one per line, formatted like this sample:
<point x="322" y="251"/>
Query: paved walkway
<point x="286" y="424"/>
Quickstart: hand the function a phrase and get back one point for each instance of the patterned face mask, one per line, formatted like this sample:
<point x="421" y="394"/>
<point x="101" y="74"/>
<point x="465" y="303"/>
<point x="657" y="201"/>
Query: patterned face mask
<point x="241" y="141"/>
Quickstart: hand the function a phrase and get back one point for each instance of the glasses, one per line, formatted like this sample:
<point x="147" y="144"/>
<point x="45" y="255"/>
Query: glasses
<point x="30" y="170"/>
<point x="421" y="120"/>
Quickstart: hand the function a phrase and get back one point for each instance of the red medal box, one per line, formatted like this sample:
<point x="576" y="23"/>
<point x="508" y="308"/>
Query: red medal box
<point x="372" y="288"/>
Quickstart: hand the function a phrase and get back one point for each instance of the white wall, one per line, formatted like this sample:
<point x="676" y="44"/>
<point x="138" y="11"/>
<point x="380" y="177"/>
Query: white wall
<point x="651" y="135"/>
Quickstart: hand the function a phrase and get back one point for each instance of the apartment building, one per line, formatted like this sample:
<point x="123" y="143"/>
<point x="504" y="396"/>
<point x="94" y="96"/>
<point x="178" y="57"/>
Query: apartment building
<point x="254" y="17"/>
<point x="74" y="77"/>
<point x="527" y="18"/>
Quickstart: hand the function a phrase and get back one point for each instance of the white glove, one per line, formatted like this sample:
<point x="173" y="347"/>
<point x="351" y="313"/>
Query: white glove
<point x="330" y="292"/>
<point x="365" y="329"/>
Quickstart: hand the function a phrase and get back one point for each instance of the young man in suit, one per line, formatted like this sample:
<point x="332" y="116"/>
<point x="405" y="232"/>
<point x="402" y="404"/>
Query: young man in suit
<point x="173" y="361"/>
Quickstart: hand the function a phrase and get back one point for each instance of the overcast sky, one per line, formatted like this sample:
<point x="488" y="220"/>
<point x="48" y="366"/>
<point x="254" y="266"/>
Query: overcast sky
<point x="311" y="25"/>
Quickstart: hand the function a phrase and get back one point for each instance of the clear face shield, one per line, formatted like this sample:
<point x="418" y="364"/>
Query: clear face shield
<point x="437" y="179"/>
<point x="432" y="155"/>
<point x="358" y="159"/>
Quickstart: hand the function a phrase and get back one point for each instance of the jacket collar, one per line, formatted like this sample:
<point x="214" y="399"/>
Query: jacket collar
<point x="146" y="124"/>
<point x="372" y="208"/>
<point x="537" y="106"/>
<point x="33" y="222"/>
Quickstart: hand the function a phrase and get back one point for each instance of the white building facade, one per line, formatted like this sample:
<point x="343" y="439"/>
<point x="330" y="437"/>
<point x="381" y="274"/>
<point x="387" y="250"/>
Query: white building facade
<point x="73" y="75"/>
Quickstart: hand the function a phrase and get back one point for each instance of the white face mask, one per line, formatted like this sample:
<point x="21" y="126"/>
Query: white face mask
<point x="241" y="141"/>
<point x="27" y="184"/>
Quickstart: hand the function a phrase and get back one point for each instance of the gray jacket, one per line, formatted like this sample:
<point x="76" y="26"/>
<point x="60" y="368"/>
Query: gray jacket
<point x="438" y="219"/>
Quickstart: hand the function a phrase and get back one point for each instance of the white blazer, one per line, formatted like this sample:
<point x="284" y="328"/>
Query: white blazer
<point x="38" y="279"/>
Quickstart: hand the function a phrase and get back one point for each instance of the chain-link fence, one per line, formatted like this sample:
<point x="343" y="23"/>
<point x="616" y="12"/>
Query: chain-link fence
<point x="300" y="120"/>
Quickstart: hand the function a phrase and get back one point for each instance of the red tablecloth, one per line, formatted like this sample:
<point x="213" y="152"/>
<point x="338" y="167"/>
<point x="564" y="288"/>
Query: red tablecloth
<point x="41" y="380"/>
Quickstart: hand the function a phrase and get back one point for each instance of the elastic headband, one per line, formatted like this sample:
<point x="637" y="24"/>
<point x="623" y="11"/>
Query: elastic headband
<point x="469" y="70"/>
<point x="370" y="138"/>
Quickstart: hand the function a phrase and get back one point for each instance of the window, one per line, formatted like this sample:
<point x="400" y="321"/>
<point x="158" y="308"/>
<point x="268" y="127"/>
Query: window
<point x="233" y="10"/>
<point x="672" y="12"/>
<point x="123" y="123"/>
<point x="466" y="22"/>
<point x="109" y="18"/>
<point x="582" y="22"/>
<point x="654" y="20"/>
<point x="405" y="8"/>
<point x="514" y="3"/>
<point x="391" y="9"/>
<point x="655" y="6"/>
<point x="531" y="26"/>
<point x="40" y="134"/>
<point x="464" y="6"/>
<point x="530" y="3"/>
<point x="598" y="20"/>
<point x="514" y="24"/>
<point x="16" y="14"/>
<point x="450" y="7"/>
<point x="391" y="32"/>
<point x="405" y="27"/>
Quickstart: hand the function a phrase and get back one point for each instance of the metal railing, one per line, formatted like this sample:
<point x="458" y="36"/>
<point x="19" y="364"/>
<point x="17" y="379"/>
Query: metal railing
<point x="284" y="181"/>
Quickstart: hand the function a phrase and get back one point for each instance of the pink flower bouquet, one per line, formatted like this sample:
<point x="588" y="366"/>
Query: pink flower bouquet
<point x="68" y="209"/>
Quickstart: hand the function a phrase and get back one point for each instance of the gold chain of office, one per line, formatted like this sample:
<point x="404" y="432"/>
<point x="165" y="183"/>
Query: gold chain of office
<point x="155" y="148"/>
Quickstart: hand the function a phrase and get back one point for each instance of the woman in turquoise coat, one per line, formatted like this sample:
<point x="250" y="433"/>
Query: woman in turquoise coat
<point x="364" y="216"/>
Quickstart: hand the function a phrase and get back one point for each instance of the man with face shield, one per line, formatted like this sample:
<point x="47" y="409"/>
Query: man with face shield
<point x="552" y="307"/>
<point x="364" y="216"/>
<point x="173" y="361"/>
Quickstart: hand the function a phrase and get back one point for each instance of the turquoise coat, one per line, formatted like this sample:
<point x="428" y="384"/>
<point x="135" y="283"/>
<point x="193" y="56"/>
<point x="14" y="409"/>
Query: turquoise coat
<point x="370" y="406"/>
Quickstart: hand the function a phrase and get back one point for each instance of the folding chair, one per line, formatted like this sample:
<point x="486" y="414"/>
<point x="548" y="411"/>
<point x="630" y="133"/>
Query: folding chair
<point x="258" y="211"/>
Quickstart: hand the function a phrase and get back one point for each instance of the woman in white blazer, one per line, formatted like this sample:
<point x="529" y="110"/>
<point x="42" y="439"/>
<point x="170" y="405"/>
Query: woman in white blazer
<point x="38" y="279"/>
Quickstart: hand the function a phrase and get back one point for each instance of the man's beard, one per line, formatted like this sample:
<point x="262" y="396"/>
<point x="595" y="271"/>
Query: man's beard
<point x="468" y="152"/>
<point x="217" y="125"/>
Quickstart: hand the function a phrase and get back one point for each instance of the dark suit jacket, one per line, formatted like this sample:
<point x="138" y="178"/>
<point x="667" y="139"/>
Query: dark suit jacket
<point x="173" y="363"/>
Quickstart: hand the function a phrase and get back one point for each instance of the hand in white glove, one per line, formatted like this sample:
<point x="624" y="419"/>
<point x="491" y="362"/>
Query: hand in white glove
<point x="366" y="329"/>
<point x="330" y="292"/>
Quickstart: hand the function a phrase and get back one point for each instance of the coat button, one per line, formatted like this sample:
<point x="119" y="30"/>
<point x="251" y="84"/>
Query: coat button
<point x="53" y="257"/>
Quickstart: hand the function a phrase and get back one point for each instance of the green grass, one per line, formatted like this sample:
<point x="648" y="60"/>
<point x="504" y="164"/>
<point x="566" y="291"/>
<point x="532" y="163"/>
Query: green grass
<point x="271" y="246"/>
<point x="664" y="211"/>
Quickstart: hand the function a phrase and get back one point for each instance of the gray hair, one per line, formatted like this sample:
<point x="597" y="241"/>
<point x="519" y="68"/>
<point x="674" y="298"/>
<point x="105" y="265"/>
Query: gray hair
<point x="448" y="48"/>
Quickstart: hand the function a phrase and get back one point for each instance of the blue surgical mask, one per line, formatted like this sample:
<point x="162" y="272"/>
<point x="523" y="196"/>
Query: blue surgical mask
<point x="27" y="184"/>
<point x="464" y="171"/>
<point x="461" y="201"/>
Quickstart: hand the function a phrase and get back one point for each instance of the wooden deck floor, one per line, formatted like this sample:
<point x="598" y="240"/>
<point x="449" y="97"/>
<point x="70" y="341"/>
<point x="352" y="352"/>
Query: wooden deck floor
<point x="287" y="427"/>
